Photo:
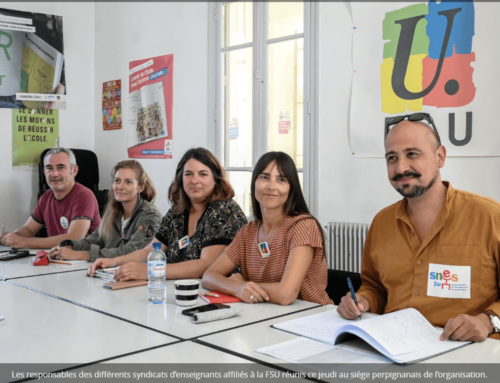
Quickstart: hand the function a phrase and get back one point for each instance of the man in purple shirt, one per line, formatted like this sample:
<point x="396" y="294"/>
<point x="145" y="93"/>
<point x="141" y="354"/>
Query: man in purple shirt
<point x="69" y="210"/>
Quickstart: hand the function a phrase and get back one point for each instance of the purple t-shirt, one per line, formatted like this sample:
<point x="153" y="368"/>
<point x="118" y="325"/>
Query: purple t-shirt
<point x="80" y="203"/>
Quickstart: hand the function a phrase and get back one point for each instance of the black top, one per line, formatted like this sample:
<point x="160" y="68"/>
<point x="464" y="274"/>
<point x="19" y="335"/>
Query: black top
<point x="218" y="225"/>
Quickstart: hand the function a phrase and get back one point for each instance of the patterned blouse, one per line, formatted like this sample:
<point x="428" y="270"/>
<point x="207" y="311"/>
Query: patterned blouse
<point x="218" y="225"/>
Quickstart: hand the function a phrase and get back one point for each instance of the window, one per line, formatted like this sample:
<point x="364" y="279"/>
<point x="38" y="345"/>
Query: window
<point x="263" y="89"/>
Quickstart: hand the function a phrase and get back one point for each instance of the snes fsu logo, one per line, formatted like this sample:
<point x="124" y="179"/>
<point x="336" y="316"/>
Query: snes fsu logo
<point x="449" y="281"/>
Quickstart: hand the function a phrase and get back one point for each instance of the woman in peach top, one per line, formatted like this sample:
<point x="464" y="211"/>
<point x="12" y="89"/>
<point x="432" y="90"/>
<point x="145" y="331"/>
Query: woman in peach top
<point x="280" y="253"/>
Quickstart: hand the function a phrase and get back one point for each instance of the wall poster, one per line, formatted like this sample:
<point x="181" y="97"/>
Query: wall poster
<point x="33" y="131"/>
<point x="429" y="57"/>
<point x="32" y="73"/>
<point x="150" y="107"/>
<point x="112" y="105"/>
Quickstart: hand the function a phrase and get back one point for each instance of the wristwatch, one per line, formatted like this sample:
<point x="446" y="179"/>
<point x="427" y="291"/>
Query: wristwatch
<point x="495" y="320"/>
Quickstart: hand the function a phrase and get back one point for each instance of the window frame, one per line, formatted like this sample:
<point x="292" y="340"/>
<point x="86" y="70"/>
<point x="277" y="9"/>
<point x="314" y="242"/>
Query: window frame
<point x="260" y="45"/>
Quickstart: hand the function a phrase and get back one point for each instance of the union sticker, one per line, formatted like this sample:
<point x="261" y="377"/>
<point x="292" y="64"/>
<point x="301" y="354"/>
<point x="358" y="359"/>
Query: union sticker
<point x="448" y="281"/>
<point x="64" y="223"/>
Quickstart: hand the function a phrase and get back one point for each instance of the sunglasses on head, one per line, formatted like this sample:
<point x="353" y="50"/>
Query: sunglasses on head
<point x="412" y="117"/>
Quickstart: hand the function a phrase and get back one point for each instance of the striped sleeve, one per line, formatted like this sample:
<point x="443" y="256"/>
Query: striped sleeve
<point x="236" y="249"/>
<point x="305" y="232"/>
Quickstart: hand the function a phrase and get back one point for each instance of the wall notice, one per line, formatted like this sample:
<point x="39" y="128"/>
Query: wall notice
<point x="33" y="131"/>
<point x="112" y="105"/>
<point x="150" y="107"/>
<point x="284" y="122"/>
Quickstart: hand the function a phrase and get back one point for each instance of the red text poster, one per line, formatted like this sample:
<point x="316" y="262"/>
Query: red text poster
<point x="284" y="122"/>
<point x="150" y="107"/>
<point x="112" y="105"/>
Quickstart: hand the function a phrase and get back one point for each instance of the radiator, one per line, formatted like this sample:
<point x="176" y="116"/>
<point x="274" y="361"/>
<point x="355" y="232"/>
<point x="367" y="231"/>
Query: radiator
<point x="345" y="245"/>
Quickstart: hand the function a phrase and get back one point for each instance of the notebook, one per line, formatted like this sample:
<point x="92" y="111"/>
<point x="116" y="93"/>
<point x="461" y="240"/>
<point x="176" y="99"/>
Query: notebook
<point x="66" y="262"/>
<point x="123" y="285"/>
<point x="404" y="336"/>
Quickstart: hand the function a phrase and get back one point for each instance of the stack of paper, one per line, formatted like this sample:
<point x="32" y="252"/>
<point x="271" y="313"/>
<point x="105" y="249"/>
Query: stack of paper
<point x="106" y="275"/>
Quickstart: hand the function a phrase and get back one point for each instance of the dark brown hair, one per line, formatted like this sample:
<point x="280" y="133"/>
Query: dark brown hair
<point x="222" y="189"/>
<point x="114" y="207"/>
<point x="295" y="204"/>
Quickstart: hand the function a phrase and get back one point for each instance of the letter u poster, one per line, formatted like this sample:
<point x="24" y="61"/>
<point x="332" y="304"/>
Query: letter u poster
<point x="429" y="57"/>
<point x="149" y="118"/>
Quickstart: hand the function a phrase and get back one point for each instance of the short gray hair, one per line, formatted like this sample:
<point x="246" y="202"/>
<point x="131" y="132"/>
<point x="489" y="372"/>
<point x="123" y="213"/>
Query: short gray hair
<point x="69" y="152"/>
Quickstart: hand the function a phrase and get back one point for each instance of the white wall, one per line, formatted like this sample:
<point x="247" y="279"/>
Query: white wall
<point x="142" y="30"/>
<point x="355" y="189"/>
<point x="351" y="189"/>
<point x="19" y="187"/>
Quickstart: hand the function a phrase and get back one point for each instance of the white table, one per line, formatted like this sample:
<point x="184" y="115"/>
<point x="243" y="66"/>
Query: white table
<point x="241" y="342"/>
<point x="183" y="352"/>
<point x="132" y="304"/>
<point x="188" y="356"/>
<point x="41" y="329"/>
<point x="23" y="267"/>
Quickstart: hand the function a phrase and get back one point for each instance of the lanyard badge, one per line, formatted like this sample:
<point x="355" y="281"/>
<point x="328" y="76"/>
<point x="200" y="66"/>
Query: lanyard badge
<point x="183" y="242"/>
<point x="264" y="250"/>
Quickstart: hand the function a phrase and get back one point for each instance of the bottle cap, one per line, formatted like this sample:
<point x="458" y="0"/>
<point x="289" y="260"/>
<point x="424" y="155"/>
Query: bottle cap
<point x="157" y="246"/>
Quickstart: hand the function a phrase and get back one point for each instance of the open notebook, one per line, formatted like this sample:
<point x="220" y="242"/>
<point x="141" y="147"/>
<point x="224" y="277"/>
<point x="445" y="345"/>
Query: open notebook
<point x="404" y="336"/>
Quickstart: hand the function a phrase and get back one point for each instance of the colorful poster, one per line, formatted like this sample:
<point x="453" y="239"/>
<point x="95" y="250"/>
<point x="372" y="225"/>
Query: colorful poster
<point x="150" y="107"/>
<point x="32" y="73"/>
<point x="112" y="105"/>
<point x="425" y="57"/>
<point x="33" y="131"/>
<point x="284" y="122"/>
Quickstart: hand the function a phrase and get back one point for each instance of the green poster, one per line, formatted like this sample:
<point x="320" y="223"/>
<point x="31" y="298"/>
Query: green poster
<point x="33" y="131"/>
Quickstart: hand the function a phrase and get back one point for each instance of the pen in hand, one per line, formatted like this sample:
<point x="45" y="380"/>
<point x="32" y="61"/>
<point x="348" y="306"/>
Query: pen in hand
<point x="353" y="294"/>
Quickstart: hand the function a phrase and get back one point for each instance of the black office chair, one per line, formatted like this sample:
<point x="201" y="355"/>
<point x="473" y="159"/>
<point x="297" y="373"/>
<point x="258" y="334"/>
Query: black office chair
<point x="88" y="175"/>
<point x="337" y="284"/>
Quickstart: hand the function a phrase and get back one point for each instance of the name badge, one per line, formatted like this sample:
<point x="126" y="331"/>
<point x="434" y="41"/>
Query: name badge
<point x="64" y="222"/>
<point x="264" y="250"/>
<point x="183" y="242"/>
<point x="446" y="281"/>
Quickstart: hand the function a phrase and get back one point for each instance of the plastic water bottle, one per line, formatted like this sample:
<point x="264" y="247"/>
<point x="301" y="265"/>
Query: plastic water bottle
<point x="157" y="273"/>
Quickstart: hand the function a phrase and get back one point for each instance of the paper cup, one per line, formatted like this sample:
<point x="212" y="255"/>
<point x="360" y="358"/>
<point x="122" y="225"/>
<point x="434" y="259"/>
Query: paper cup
<point x="186" y="292"/>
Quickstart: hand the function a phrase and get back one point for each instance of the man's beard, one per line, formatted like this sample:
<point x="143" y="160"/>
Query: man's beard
<point x="416" y="190"/>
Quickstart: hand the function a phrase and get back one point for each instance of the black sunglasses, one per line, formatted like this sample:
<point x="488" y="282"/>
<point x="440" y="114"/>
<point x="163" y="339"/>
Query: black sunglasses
<point x="412" y="117"/>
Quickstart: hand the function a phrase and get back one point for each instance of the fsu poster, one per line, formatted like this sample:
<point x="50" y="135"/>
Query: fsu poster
<point x="112" y="105"/>
<point x="427" y="57"/>
<point x="150" y="107"/>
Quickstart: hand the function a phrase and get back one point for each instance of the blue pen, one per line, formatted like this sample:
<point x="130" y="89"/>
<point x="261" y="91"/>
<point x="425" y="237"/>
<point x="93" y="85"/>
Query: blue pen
<point x="353" y="294"/>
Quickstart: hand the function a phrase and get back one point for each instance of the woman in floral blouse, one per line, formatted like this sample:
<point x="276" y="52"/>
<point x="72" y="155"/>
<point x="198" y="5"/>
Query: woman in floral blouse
<point x="201" y="223"/>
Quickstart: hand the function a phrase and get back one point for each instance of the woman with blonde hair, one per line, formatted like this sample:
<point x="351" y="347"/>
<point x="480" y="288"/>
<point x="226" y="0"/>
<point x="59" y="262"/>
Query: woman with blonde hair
<point x="129" y="222"/>
<point x="201" y="223"/>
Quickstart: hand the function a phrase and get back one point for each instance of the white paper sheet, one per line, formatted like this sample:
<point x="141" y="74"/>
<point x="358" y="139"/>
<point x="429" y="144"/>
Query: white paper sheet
<point x="308" y="351"/>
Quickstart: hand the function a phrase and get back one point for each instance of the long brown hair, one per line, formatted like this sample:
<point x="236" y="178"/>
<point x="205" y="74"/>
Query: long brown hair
<point x="295" y="204"/>
<point x="114" y="207"/>
<point x="222" y="189"/>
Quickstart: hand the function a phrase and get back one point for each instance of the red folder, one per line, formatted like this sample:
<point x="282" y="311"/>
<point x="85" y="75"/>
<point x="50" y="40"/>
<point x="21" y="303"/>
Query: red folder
<point x="223" y="298"/>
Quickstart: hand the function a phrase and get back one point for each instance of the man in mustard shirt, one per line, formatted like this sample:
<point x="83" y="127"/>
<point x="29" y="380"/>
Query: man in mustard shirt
<point x="438" y="249"/>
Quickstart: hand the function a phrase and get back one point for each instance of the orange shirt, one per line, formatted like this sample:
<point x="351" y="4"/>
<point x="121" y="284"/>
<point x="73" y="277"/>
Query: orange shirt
<point x="398" y="271"/>
<point x="294" y="232"/>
